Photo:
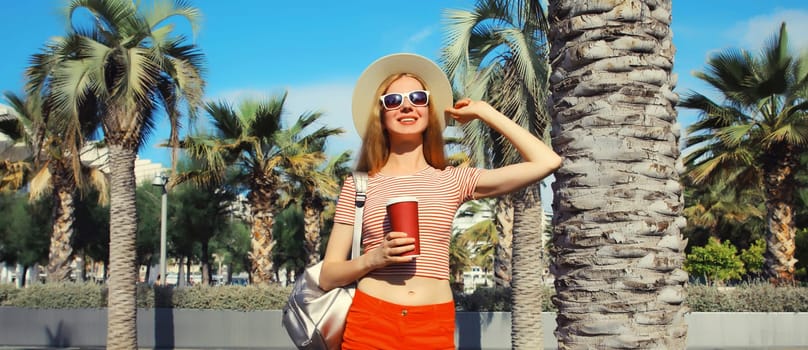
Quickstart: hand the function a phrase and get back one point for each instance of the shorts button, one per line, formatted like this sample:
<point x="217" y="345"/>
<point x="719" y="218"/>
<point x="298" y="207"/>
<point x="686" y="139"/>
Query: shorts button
<point x="404" y="312"/>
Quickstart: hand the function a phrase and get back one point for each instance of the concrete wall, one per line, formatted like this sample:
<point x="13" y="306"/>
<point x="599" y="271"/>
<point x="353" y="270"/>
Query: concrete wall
<point x="205" y="329"/>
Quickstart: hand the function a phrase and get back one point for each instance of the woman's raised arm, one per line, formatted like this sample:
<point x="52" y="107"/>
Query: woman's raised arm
<point x="539" y="160"/>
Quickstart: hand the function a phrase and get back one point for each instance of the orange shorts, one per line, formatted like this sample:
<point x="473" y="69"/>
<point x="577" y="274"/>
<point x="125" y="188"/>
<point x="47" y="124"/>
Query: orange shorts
<point x="376" y="324"/>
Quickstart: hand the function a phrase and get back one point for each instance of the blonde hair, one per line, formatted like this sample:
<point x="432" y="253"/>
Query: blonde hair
<point x="375" y="147"/>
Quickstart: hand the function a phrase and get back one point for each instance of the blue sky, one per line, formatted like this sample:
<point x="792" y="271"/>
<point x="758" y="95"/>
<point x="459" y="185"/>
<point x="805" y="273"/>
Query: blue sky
<point x="315" y="51"/>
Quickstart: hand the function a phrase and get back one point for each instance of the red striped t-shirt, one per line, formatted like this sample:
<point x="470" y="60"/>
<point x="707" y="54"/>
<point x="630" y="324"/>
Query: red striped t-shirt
<point x="439" y="193"/>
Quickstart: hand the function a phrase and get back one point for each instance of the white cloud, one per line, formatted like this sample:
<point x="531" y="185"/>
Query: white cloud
<point x="237" y="95"/>
<point x="757" y="31"/>
<point x="334" y="100"/>
<point x="414" y="40"/>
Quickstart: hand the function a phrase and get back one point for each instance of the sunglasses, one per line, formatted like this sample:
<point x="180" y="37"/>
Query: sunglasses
<point x="418" y="98"/>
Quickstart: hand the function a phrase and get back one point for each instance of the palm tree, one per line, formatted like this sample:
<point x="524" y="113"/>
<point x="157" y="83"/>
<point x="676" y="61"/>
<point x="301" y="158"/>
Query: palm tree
<point x="253" y="139"/>
<point x="617" y="243"/>
<point x="55" y="173"/>
<point x="478" y="242"/>
<point x="497" y="53"/>
<point x="134" y="63"/>
<point x="761" y="128"/>
<point x="315" y="186"/>
<point x="459" y="260"/>
<point x="718" y="210"/>
<point x="339" y="168"/>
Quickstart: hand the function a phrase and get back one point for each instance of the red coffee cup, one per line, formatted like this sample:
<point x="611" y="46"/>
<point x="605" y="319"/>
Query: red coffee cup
<point x="403" y="214"/>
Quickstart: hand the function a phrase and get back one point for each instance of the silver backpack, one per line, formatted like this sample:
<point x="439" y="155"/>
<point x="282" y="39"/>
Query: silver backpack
<point x="315" y="319"/>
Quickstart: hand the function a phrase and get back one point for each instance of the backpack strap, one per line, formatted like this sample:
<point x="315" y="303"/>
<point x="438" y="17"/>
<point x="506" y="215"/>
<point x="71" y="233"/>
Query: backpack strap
<point x="361" y="182"/>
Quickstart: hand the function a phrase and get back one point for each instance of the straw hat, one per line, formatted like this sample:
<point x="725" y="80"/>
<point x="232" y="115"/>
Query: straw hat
<point x="364" y="95"/>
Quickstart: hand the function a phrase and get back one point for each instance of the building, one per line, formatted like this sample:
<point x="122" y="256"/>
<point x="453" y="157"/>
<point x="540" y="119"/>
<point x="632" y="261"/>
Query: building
<point x="475" y="278"/>
<point x="96" y="156"/>
<point x="9" y="149"/>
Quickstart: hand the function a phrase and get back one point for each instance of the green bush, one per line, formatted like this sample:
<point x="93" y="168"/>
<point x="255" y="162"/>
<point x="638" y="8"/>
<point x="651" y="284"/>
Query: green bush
<point x="701" y="298"/>
<point x="7" y="291"/>
<point x="90" y="295"/>
<point x="748" y="297"/>
<point x="753" y="259"/>
<point x="497" y="299"/>
<point x="801" y="240"/>
<point x="485" y="299"/>
<point x="715" y="261"/>
<point x="247" y="298"/>
<point x="59" y="296"/>
<point x="765" y="297"/>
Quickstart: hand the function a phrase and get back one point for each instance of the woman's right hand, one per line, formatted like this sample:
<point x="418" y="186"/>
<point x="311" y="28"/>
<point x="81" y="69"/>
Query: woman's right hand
<point x="389" y="251"/>
<point x="466" y="110"/>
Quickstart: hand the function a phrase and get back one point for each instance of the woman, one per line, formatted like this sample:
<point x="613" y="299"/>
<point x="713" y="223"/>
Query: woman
<point x="399" y="107"/>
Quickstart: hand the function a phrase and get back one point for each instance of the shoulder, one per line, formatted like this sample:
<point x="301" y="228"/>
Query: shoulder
<point x="461" y="171"/>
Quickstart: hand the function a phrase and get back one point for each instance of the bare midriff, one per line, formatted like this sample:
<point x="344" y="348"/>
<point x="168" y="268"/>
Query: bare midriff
<point x="410" y="290"/>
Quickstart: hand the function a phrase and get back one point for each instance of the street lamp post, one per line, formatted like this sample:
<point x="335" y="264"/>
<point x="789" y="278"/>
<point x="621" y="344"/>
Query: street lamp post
<point x="161" y="180"/>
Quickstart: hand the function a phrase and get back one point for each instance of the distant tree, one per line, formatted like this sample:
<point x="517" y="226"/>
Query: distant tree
<point x="722" y="210"/>
<point x="234" y="246"/>
<point x="91" y="239"/>
<point x="482" y="238"/>
<point x="199" y="214"/>
<point x="314" y="186"/>
<point x="802" y="253"/>
<point x="252" y="138"/>
<point x="290" y="253"/>
<point x="24" y="230"/>
<point x="57" y="171"/>
<point x="459" y="261"/>
<point x="339" y="168"/>
<point x="148" y="202"/>
<point x="758" y="130"/>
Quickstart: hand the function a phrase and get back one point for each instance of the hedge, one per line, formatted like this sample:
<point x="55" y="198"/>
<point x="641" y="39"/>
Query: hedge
<point x="757" y="297"/>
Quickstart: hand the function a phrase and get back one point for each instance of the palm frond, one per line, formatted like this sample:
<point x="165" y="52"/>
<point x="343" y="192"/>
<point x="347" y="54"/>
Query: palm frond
<point x="495" y="52"/>
<point x="164" y="11"/>
<point x="40" y="184"/>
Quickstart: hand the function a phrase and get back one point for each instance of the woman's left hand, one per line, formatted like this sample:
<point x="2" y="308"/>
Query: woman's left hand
<point x="466" y="110"/>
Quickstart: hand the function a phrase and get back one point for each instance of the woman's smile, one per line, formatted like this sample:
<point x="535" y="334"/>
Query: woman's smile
<point x="407" y="120"/>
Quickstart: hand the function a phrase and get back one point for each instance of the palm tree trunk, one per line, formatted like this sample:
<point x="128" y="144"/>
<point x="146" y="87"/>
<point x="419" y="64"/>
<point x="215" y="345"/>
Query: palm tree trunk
<point x="122" y="312"/>
<point x="205" y="264"/>
<point x="312" y="222"/>
<point x="61" y="249"/>
<point x="503" y="251"/>
<point x="617" y="200"/>
<point x="81" y="263"/>
<point x="261" y="200"/>
<point x="526" y="326"/>
<point x="181" y="275"/>
<point x="780" y="263"/>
